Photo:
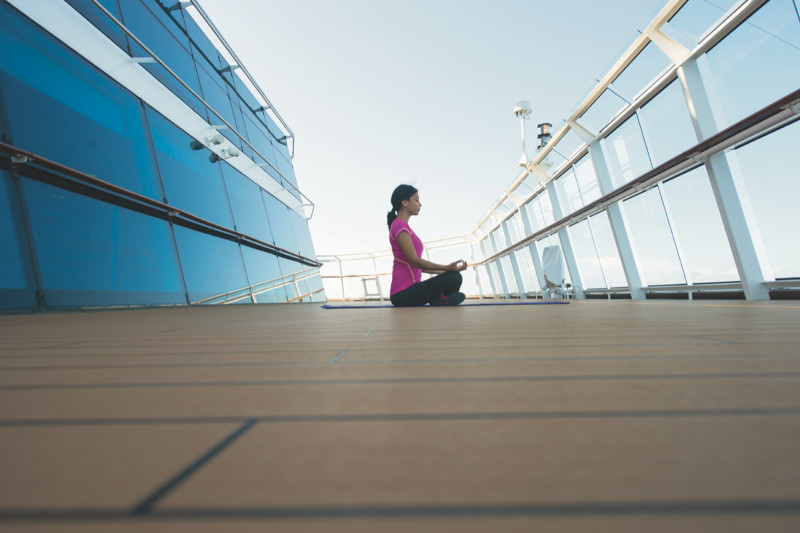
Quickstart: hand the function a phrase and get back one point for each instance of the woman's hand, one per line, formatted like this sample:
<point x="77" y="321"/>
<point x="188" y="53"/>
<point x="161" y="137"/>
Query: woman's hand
<point x="457" y="266"/>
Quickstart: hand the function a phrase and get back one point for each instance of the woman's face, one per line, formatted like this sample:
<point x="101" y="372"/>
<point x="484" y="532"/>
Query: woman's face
<point x="413" y="204"/>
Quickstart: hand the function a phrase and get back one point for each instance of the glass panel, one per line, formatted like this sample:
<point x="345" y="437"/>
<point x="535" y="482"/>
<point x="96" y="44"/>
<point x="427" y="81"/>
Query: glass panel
<point x="552" y="162"/>
<point x="192" y="183"/>
<point x="93" y="253"/>
<point x="282" y="225"/>
<point x="569" y="197"/>
<point x="699" y="228"/>
<point x="569" y="144"/>
<point x="264" y="274"/>
<point x="770" y="168"/>
<point x="641" y="72"/>
<point x="667" y="124"/>
<point x="528" y="270"/>
<point x="547" y="208"/>
<point x="498" y="240"/>
<point x="215" y="95"/>
<point x="299" y="289"/>
<point x="303" y="235"/>
<point x="517" y="227"/>
<point x="212" y="268"/>
<point x="607" y="251"/>
<point x="695" y="18"/>
<point x="498" y="286"/>
<point x="627" y="153"/>
<point x="485" y="285"/>
<point x="100" y="21"/>
<point x="63" y="109"/>
<point x="652" y="237"/>
<point x="17" y="287"/>
<point x="168" y="42"/>
<point x="586" y="256"/>
<point x="529" y="211"/>
<point x="602" y="111"/>
<point x="587" y="180"/>
<point x="508" y="272"/>
<point x="12" y="275"/>
<point x="247" y="204"/>
<point x="758" y="62"/>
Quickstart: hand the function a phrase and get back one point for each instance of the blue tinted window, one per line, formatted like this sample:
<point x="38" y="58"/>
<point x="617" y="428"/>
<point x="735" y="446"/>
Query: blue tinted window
<point x="281" y="223"/>
<point x="257" y="136"/>
<point x="191" y="182"/>
<point x="100" y="20"/>
<point x="60" y="107"/>
<point x="16" y="281"/>
<point x="93" y="253"/>
<point x="264" y="273"/>
<point x="303" y="235"/>
<point x="161" y="35"/>
<point x="212" y="268"/>
<point x="215" y="96"/>
<point x="249" y="212"/>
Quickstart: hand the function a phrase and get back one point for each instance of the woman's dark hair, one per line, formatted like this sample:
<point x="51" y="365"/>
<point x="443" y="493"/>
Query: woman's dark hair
<point x="402" y="192"/>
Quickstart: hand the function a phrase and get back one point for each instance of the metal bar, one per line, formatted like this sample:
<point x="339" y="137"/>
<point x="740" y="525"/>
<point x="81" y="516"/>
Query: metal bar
<point x="211" y="25"/>
<point x="55" y="173"/>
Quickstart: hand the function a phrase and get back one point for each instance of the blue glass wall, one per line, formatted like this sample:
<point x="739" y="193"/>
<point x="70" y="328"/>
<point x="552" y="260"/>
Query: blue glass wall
<point x="168" y="226"/>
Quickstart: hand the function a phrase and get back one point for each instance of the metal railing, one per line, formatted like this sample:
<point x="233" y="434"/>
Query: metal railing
<point x="284" y="180"/>
<point x="250" y="292"/>
<point x="33" y="166"/>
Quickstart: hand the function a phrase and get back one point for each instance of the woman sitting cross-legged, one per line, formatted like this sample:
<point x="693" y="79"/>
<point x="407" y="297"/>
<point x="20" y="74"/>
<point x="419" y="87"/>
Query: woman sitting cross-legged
<point x="408" y="289"/>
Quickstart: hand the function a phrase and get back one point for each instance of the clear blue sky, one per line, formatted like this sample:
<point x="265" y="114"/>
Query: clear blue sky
<point x="383" y="92"/>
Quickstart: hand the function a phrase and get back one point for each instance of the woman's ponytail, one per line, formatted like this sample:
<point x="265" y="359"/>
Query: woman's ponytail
<point x="390" y="216"/>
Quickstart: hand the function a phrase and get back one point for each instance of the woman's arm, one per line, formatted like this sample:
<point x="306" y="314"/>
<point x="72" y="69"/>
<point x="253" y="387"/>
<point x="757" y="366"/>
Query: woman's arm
<point x="404" y="240"/>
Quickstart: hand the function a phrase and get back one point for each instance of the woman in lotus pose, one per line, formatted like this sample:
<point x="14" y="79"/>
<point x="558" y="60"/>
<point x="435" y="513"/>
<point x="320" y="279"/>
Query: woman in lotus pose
<point x="408" y="289"/>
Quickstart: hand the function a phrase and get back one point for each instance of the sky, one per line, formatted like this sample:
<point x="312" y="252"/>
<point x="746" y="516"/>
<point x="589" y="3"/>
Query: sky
<point x="381" y="92"/>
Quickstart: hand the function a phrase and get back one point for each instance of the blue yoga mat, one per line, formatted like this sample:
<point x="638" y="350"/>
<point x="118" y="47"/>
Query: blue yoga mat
<point x="357" y="306"/>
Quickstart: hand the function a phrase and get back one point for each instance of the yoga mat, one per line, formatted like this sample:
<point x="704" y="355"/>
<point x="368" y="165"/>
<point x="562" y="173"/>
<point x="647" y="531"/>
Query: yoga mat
<point x="466" y="304"/>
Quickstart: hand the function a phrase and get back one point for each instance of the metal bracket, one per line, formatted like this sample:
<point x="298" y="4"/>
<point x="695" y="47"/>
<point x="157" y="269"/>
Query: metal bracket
<point x="20" y="159"/>
<point x="794" y="107"/>
<point x="178" y="6"/>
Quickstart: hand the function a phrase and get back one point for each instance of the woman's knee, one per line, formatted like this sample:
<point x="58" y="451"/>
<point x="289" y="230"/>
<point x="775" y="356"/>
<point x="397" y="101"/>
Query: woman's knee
<point x="455" y="276"/>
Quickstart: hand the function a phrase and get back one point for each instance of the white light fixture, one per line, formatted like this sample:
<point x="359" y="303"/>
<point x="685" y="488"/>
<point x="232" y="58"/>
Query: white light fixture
<point x="522" y="110"/>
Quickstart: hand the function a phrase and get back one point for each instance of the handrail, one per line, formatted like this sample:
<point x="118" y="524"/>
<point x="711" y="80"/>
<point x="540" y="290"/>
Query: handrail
<point x="739" y="15"/>
<point x="775" y="115"/>
<point x="247" y="73"/>
<point x="284" y="280"/>
<point x="202" y="101"/>
<point x="141" y="203"/>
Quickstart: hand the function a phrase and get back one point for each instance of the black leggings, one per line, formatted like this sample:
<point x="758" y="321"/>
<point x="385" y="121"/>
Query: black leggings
<point x="428" y="291"/>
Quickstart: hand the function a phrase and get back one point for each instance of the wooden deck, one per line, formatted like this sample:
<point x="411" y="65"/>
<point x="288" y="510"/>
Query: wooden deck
<point x="592" y="416"/>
